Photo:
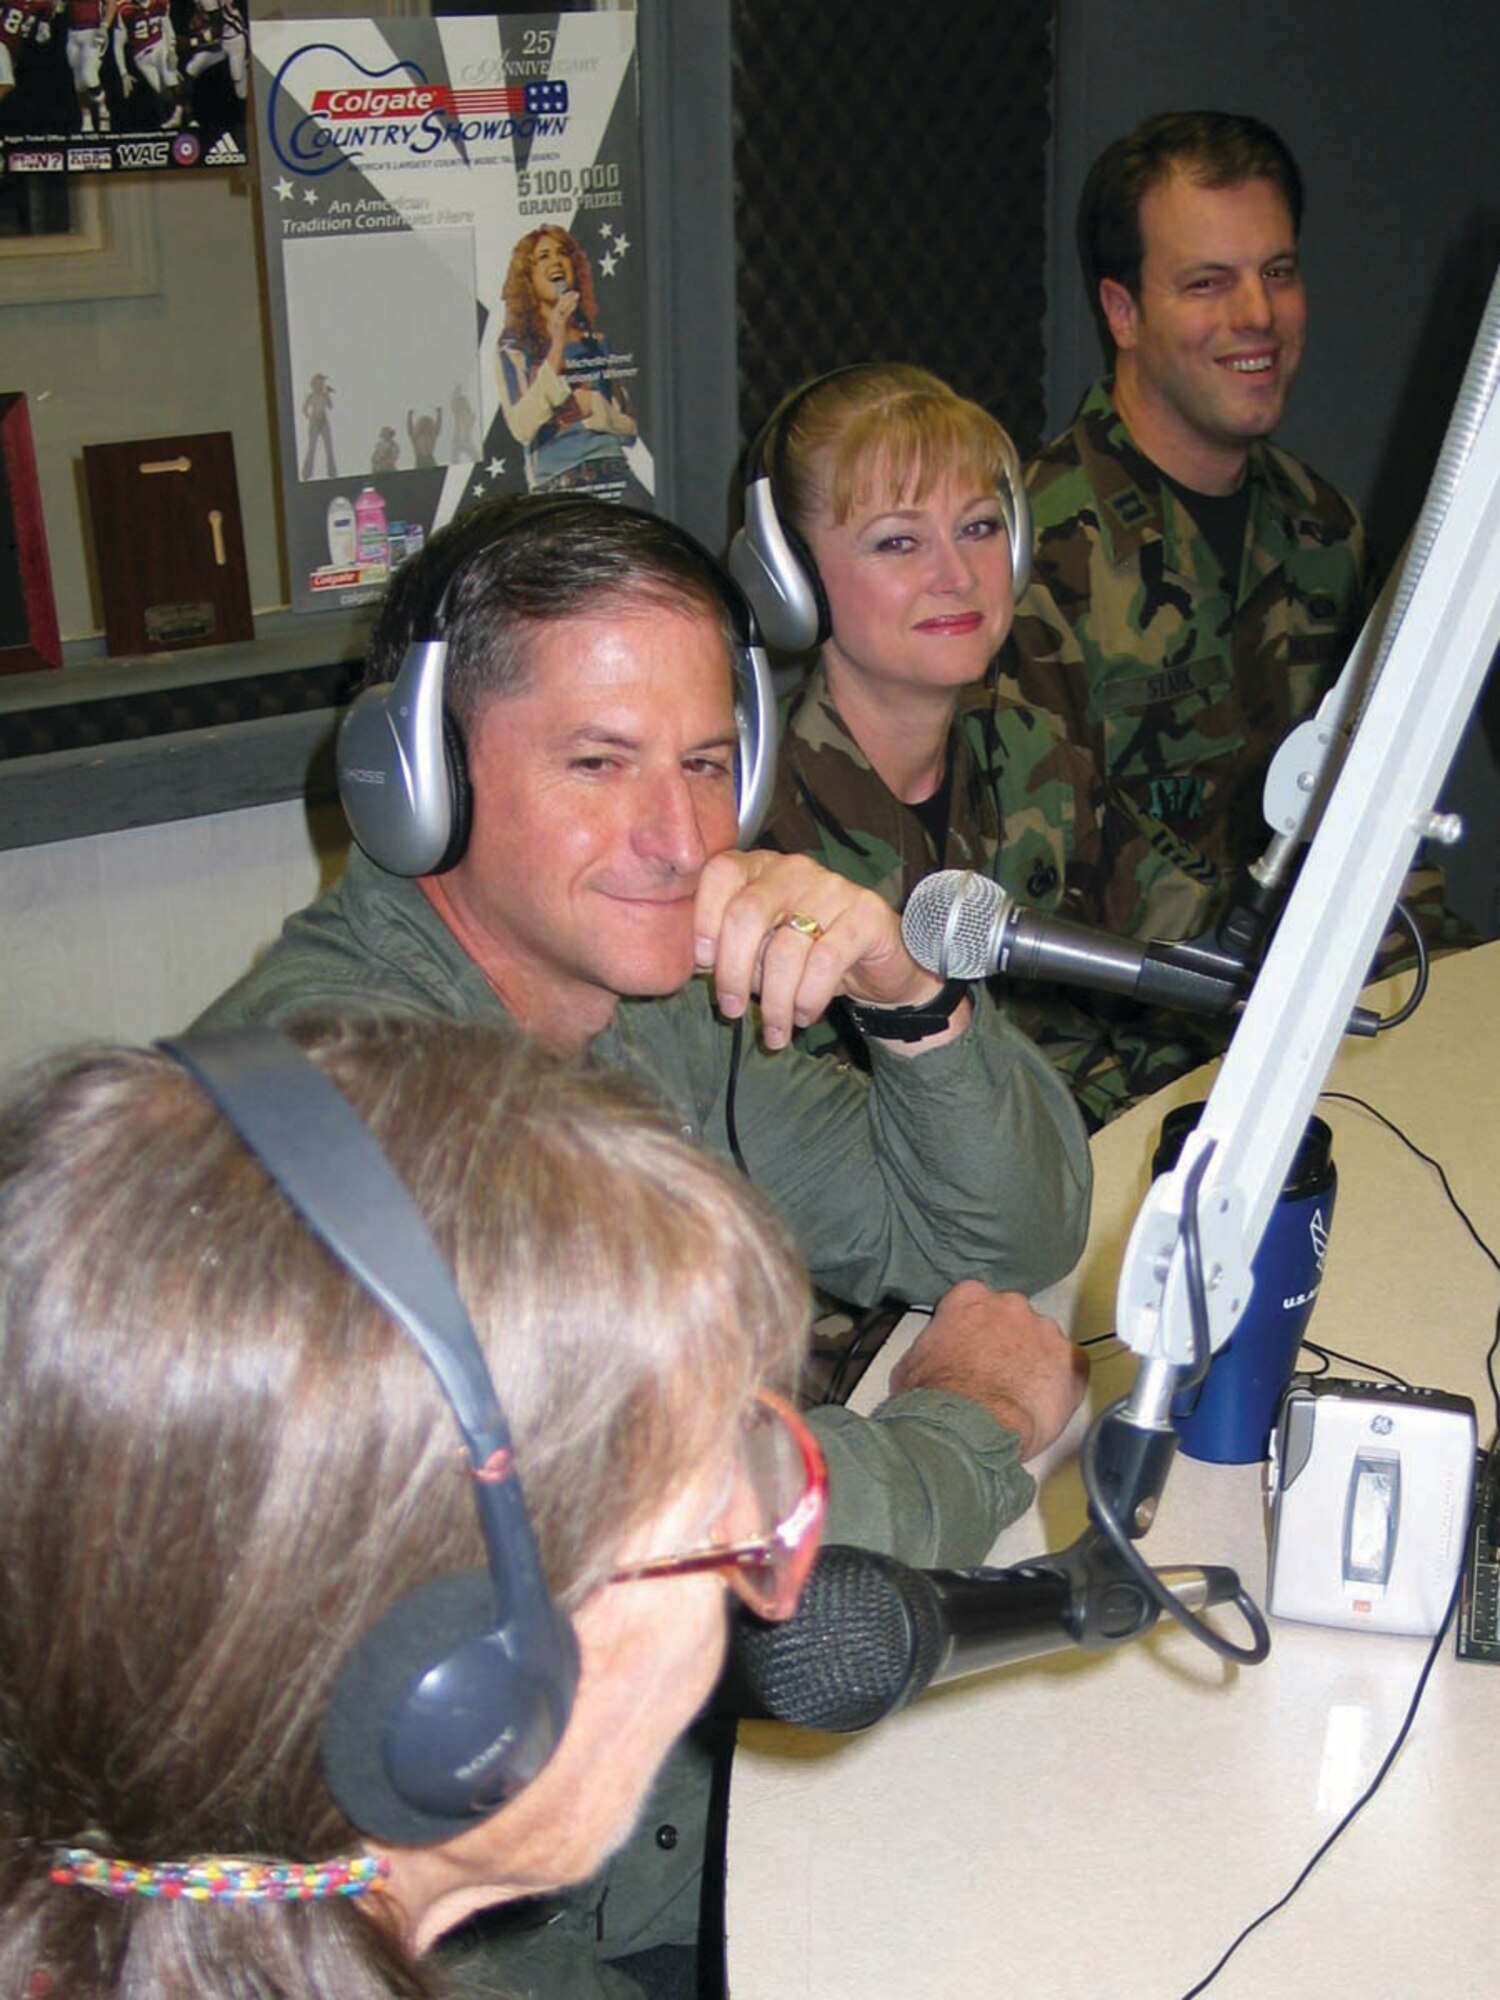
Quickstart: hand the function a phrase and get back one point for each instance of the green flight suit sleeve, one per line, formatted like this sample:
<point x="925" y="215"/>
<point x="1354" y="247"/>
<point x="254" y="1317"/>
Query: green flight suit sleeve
<point x="967" y="1161"/>
<point x="930" y="1478"/>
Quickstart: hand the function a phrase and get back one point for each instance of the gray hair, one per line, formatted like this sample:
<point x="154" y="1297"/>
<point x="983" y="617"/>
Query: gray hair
<point x="224" y="1462"/>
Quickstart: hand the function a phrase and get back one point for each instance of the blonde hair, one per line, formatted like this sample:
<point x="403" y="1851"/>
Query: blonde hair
<point x="224" y="1462"/>
<point x="885" y="429"/>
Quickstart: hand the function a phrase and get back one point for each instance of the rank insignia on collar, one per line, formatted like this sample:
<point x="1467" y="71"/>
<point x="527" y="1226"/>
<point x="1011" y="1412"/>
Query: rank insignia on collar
<point x="1128" y="507"/>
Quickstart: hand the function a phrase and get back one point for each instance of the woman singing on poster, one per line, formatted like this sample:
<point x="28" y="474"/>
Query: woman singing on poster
<point x="556" y="390"/>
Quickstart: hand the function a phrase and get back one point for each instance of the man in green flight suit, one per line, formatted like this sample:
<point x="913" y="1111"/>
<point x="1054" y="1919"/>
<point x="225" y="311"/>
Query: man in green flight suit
<point x="596" y="900"/>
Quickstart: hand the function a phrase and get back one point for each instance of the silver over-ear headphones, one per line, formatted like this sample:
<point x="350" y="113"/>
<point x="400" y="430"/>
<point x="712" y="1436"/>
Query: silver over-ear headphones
<point x="773" y="565"/>
<point x="402" y="772"/>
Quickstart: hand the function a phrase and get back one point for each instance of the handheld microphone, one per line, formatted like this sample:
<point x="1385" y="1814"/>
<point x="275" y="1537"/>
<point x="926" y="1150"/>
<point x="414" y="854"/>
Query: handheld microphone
<point x="960" y="925"/>
<point x="870" y="1634"/>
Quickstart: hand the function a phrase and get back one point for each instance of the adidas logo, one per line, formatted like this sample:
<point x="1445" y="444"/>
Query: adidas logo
<point x="224" y="153"/>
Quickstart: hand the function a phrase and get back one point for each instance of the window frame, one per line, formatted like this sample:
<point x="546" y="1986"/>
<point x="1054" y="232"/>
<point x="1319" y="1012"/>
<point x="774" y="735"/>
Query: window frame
<point x="111" y="251"/>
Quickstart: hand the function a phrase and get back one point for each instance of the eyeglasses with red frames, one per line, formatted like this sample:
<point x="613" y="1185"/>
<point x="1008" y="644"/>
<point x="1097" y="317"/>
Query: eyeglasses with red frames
<point x="769" y="1534"/>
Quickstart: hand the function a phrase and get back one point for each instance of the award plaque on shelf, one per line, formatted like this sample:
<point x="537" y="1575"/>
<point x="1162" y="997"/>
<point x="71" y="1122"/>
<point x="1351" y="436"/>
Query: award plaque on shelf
<point x="170" y="549"/>
<point x="28" y="614"/>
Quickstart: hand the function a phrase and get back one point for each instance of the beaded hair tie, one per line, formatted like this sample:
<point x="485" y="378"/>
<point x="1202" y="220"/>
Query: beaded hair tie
<point x="217" y="1878"/>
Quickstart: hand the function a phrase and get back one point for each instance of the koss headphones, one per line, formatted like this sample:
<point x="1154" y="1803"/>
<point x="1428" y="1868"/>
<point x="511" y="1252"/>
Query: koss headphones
<point x="402" y="773"/>
<point x="774" y="567"/>
<point x="461" y="1693"/>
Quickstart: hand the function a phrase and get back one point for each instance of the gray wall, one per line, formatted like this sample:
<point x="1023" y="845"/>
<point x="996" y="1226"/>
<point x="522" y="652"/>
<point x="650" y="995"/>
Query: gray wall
<point x="1390" y="112"/>
<point x="186" y="355"/>
<point x="1394" y="115"/>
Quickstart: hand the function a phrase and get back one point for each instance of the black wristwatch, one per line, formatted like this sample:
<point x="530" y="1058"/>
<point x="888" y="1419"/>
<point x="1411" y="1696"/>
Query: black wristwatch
<point x="909" y="1024"/>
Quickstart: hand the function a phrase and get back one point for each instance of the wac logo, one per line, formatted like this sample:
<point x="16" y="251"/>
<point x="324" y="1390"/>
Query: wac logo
<point x="1176" y="798"/>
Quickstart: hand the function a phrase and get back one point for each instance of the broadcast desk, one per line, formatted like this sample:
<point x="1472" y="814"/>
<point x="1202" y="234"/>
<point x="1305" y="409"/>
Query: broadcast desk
<point x="1101" y="1827"/>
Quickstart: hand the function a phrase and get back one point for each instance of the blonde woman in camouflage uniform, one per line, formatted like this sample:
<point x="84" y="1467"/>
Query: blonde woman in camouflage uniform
<point x="897" y="758"/>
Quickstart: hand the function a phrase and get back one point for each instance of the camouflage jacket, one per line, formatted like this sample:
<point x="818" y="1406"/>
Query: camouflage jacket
<point x="1027" y="809"/>
<point x="1179" y="681"/>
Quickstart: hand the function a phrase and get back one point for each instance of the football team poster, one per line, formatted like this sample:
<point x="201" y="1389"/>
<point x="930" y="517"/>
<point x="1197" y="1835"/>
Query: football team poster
<point x="453" y="226"/>
<point x="128" y="86"/>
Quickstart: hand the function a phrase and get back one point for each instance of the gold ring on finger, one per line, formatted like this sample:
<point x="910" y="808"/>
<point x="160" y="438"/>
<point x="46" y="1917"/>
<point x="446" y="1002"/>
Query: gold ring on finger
<point x="804" y="925"/>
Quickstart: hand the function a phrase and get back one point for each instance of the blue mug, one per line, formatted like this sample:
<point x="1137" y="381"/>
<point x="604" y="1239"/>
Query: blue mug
<point x="1228" y="1416"/>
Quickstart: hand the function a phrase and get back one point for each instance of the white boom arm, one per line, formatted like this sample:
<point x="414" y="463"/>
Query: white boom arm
<point x="1440" y="639"/>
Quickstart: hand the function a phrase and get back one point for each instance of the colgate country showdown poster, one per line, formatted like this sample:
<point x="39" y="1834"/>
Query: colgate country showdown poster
<point x="454" y="237"/>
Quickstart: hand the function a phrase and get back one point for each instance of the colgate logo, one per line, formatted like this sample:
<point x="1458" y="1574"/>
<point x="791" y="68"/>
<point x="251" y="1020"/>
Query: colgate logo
<point x="411" y="102"/>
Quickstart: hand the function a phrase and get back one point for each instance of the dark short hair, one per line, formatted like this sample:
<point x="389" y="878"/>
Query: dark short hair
<point x="516" y="563"/>
<point x="1217" y="149"/>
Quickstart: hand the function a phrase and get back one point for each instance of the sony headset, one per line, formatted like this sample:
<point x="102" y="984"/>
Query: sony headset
<point x="402" y="773"/>
<point x="774" y="567"/>
<point x="459" y="1695"/>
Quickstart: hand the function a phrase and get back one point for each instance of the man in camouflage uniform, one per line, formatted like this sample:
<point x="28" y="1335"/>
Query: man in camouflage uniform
<point x="1195" y="588"/>
<point x="1026" y="808"/>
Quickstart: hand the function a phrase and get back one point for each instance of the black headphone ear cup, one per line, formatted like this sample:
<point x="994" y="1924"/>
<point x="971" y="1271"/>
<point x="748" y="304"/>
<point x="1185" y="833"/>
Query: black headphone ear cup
<point x="460" y="1694"/>
<point x="429" y="1693"/>
<point x="460" y="795"/>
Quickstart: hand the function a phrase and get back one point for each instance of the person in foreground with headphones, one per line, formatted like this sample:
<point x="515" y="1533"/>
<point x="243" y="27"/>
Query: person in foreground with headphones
<point x="886" y="525"/>
<point x="292" y="1677"/>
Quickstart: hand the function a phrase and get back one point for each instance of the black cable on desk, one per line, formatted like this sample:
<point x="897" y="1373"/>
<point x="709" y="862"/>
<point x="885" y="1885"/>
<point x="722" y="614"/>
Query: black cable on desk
<point x="1354" y="1811"/>
<point x="1435" y="1648"/>
<point x="1493" y="1350"/>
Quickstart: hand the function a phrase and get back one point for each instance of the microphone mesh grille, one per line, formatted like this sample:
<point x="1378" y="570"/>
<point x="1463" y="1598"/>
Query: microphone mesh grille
<point x="950" y="923"/>
<point x="866" y="1639"/>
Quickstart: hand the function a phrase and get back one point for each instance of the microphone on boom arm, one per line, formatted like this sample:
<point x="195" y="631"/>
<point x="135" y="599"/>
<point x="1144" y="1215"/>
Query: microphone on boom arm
<point x="961" y="925"/>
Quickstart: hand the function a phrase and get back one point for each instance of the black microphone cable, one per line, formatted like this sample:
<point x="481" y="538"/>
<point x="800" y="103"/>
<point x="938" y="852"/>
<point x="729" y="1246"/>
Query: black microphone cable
<point x="1418" y="993"/>
<point x="1492" y="1353"/>
<point x="731" y="1092"/>
<point x="1101" y="1507"/>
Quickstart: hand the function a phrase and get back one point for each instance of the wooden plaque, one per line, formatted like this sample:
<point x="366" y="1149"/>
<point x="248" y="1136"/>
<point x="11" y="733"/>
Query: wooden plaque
<point x="28" y="613"/>
<point x="167" y="534"/>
